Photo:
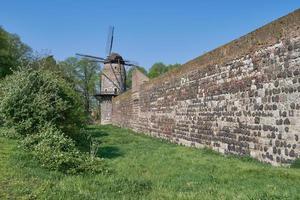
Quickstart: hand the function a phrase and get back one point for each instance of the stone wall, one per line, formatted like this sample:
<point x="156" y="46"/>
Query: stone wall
<point x="138" y="79"/>
<point x="106" y="110"/>
<point x="242" y="98"/>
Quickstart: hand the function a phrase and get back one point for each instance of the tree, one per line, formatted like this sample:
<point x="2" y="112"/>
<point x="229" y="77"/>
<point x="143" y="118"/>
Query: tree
<point x="67" y="68"/>
<point x="129" y="75"/>
<point x="160" y="68"/>
<point x="157" y="69"/>
<point x="173" y="66"/>
<point x="87" y="75"/>
<point x="83" y="74"/>
<point x="44" y="62"/>
<point x="4" y="54"/>
<point x="12" y="52"/>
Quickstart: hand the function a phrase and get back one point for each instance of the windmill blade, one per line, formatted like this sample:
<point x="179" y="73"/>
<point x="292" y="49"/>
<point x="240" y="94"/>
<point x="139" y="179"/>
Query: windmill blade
<point x="131" y="63"/>
<point x="110" y="40"/>
<point x="111" y="80"/>
<point x="89" y="56"/>
<point x="113" y="70"/>
<point x="97" y="61"/>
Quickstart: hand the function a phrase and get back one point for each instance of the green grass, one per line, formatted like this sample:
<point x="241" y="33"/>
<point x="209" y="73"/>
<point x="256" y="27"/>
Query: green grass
<point x="145" y="168"/>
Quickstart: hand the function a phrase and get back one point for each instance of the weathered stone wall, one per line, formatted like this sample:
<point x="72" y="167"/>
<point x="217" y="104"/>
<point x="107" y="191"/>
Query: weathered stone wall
<point x="242" y="98"/>
<point x="106" y="110"/>
<point x="138" y="79"/>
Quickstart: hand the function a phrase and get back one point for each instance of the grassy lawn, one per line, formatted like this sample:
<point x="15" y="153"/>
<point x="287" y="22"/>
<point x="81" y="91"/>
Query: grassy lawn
<point x="145" y="168"/>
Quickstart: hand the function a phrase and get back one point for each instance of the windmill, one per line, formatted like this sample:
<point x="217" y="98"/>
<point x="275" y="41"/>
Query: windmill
<point x="113" y="76"/>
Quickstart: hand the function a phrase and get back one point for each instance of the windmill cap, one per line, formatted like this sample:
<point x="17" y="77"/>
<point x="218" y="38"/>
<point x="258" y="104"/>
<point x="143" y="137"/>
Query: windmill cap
<point x="115" y="58"/>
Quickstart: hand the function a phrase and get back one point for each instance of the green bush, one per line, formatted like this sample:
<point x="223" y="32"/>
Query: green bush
<point x="9" y="132"/>
<point x="32" y="98"/>
<point x="47" y="113"/>
<point x="55" y="151"/>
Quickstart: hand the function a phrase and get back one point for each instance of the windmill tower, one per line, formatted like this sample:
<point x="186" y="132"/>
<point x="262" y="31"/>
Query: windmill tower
<point x="113" y="77"/>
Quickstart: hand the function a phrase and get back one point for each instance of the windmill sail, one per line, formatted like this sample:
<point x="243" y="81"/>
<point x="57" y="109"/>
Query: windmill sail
<point x="88" y="56"/>
<point x="110" y="40"/>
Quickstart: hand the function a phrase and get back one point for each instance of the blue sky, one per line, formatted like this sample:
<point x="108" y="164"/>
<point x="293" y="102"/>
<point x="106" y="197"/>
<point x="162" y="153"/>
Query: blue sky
<point x="145" y="31"/>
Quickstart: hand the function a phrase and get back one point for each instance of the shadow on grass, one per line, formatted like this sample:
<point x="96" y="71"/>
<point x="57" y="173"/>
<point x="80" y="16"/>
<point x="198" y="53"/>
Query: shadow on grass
<point x="96" y="132"/>
<point x="83" y="141"/>
<point x="109" y="152"/>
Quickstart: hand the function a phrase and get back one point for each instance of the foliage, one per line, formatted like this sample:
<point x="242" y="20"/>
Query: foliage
<point x="67" y="68"/>
<point x="41" y="102"/>
<point x="160" y="68"/>
<point x="31" y="98"/>
<point x="44" y="62"/>
<point x="55" y="151"/>
<point x="129" y="75"/>
<point x="47" y="62"/>
<point x="173" y="66"/>
<point x="83" y="74"/>
<point x="94" y="147"/>
<point x="12" y="52"/>
<point x="9" y="133"/>
<point x="47" y="112"/>
<point x="157" y="69"/>
<point x="146" y="168"/>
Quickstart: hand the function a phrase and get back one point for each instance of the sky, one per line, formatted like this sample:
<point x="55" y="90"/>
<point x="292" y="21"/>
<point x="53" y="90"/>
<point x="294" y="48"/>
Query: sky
<point x="146" y="31"/>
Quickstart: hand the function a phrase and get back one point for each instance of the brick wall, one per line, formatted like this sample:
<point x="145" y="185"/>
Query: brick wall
<point x="242" y="98"/>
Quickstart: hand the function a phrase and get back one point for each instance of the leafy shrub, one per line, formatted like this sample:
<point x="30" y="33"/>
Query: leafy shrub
<point x="55" y="151"/>
<point x="32" y="98"/>
<point x="9" y="132"/>
<point x="48" y="114"/>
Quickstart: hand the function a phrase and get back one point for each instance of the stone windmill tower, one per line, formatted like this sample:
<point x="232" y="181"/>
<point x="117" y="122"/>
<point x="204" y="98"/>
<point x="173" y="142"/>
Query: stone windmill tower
<point x="113" y="77"/>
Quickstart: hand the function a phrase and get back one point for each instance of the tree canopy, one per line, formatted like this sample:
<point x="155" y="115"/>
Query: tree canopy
<point x="156" y="70"/>
<point x="83" y="74"/>
<point x="12" y="52"/>
<point x="160" y="68"/>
